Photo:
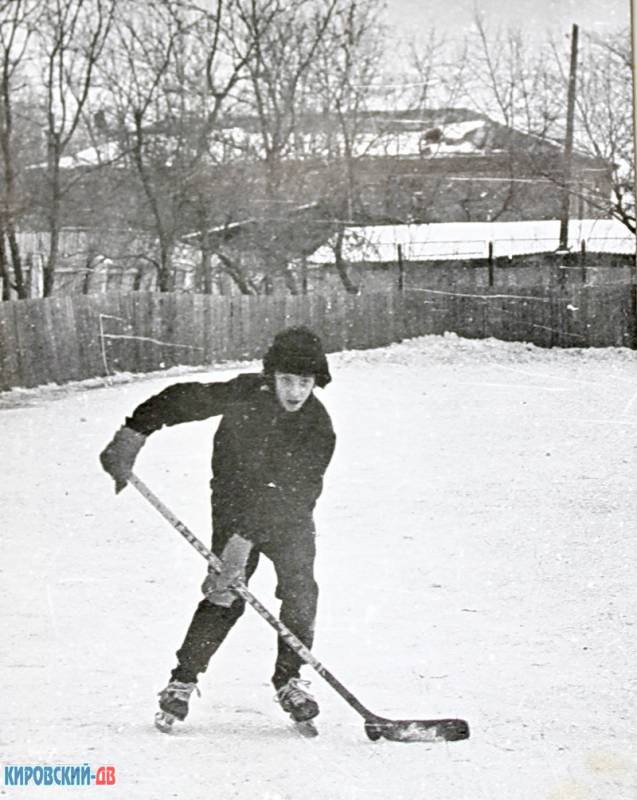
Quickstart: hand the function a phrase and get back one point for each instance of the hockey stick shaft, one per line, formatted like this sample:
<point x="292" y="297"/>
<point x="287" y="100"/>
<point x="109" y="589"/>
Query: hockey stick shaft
<point x="242" y="591"/>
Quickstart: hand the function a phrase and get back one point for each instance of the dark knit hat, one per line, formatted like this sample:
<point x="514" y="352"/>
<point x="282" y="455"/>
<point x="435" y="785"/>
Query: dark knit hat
<point x="299" y="352"/>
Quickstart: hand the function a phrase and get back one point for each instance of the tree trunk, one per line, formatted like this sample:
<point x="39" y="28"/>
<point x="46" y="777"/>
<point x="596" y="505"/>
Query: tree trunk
<point x="16" y="261"/>
<point x="290" y="282"/>
<point x="4" y="271"/>
<point x="272" y="177"/>
<point x="53" y="174"/>
<point x="9" y="228"/>
<point x="341" y="266"/>
<point x="9" y="224"/>
<point x="51" y="262"/>
<point x="234" y="271"/>
<point x="88" y="272"/>
<point x="205" y="278"/>
<point x="267" y="284"/>
<point x="166" y="273"/>
<point x="165" y="276"/>
<point x="137" y="280"/>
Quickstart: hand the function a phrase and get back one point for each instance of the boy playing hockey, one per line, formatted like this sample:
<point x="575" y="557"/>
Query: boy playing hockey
<point x="271" y="449"/>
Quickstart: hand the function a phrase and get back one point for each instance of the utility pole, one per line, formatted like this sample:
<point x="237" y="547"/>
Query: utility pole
<point x="568" y="144"/>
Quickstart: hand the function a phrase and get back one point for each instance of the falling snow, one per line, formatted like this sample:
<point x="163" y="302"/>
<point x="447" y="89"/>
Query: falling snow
<point x="476" y="558"/>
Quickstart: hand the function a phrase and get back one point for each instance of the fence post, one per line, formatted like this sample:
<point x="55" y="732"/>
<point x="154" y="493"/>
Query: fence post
<point x="490" y="263"/>
<point x="633" y="312"/>
<point x="304" y="274"/>
<point x="401" y="269"/>
<point x="582" y="259"/>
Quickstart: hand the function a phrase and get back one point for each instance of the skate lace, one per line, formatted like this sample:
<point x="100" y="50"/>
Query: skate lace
<point x="181" y="691"/>
<point x="293" y="692"/>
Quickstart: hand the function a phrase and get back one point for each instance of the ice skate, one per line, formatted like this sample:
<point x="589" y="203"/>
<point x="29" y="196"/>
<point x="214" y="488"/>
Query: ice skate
<point x="173" y="704"/>
<point x="164" y="722"/>
<point x="296" y="701"/>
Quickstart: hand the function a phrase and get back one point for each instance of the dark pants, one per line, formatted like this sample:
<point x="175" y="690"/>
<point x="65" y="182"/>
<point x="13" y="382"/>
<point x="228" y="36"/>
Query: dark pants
<point x="293" y="561"/>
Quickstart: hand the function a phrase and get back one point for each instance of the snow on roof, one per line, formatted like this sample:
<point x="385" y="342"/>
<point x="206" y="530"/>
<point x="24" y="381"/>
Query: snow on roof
<point x="456" y="131"/>
<point x="92" y="156"/>
<point x="420" y="138"/>
<point x="451" y="139"/>
<point x="453" y="240"/>
<point x="411" y="143"/>
<point x="104" y="153"/>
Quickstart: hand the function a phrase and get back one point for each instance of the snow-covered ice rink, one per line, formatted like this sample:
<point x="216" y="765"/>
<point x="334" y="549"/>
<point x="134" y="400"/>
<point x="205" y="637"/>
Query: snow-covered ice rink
<point x="476" y="558"/>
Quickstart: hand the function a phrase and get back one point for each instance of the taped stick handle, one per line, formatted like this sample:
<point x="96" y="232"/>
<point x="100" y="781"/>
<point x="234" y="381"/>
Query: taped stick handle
<point x="241" y="590"/>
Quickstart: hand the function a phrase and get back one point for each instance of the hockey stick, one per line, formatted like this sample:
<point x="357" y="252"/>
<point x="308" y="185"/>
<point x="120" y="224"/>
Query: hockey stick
<point x="397" y="730"/>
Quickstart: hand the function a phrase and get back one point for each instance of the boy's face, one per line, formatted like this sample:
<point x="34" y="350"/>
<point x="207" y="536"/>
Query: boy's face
<point x="292" y="390"/>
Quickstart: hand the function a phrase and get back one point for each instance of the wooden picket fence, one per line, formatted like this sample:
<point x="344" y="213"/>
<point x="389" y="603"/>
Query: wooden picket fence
<point x="575" y="316"/>
<point x="73" y="337"/>
<point x="65" y="338"/>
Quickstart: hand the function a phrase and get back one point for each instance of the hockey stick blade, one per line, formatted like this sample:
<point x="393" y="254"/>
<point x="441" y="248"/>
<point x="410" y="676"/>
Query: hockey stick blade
<point x="417" y="730"/>
<point x="405" y="730"/>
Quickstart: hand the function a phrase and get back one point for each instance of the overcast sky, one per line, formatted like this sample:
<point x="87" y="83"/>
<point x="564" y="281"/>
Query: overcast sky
<point x="537" y="16"/>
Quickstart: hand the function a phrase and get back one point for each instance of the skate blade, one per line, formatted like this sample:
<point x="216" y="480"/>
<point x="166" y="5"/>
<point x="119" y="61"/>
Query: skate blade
<point x="164" y="721"/>
<point x="306" y="728"/>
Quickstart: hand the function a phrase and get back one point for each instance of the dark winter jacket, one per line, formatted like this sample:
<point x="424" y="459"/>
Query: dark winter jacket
<point x="268" y="464"/>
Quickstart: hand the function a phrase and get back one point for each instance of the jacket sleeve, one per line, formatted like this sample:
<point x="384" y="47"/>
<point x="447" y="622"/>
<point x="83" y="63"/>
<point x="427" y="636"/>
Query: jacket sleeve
<point x="189" y="402"/>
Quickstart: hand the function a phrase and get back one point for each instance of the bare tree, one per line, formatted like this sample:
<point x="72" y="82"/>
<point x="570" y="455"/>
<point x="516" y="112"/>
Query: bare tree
<point x="282" y="39"/>
<point x="17" y="20"/>
<point x="168" y="75"/>
<point x="137" y="75"/>
<point x="71" y="35"/>
<point x="523" y="85"/>
<point x="436" y="73"/>
<point x="513" y="79"/>
<point x="344" y="81"/>
<point x="604" y="121"/>
<point x="434" y="86"/>
<point x="209" y="190"/>
<point x="513" y="82"/>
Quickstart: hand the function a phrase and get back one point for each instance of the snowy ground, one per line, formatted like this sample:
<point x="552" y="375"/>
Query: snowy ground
<point x="476" y="558"/>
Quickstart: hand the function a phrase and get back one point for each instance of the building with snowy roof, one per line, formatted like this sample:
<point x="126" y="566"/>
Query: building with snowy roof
<point x="449" y="165"/>
<point x="425" y="168"/>
<point x="460" y="166"/>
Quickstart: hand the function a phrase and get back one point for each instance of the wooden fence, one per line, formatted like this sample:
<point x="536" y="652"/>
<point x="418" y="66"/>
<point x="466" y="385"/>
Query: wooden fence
<point x="60" y="339"/>
<point x="575" y="316"/>
<point x="74" y="337"/>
